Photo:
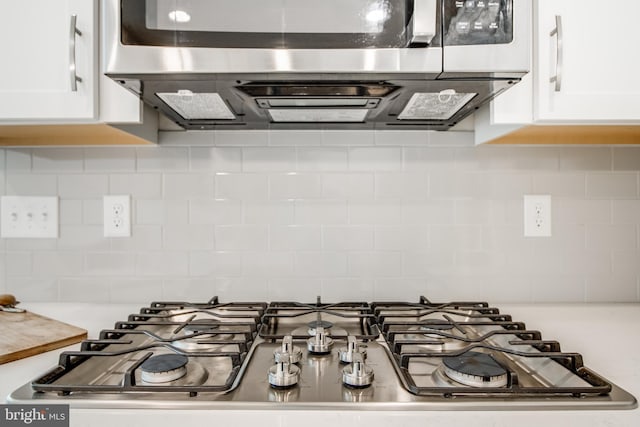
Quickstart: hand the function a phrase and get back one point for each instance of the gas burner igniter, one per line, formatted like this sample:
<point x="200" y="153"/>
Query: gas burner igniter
<point x="352" y="348"/>
<point x="288" y="352"/>
<point x="357" y="374"/>
<point x="320" y="343"/>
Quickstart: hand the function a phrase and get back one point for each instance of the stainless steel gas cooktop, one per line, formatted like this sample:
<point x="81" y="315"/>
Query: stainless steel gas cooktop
<point x="349" y="355"/>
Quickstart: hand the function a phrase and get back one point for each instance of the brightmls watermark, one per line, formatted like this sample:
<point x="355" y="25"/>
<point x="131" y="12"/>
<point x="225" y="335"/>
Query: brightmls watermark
<point x="34" y="415"/>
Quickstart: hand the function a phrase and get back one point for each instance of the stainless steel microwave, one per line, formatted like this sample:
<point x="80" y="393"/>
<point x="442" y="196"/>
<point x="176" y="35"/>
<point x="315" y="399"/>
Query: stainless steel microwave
<point x="305" y="64"/>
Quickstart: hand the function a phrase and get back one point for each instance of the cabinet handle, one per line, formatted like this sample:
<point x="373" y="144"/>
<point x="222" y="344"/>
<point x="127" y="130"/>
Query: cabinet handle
<point x="73" y="31"/>
<point x="557" y="31"/>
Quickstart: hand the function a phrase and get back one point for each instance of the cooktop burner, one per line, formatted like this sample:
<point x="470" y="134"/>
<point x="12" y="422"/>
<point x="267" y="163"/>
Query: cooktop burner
<point x="164" y="368"/>
<point x="348" y="355"/>
<point x="475" y="369"/>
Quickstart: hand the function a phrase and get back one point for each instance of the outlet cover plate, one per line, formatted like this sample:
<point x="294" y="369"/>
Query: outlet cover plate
<point x="537" y="215"/>
<point x="117" y="216"/>
<point x="29" y="217"/>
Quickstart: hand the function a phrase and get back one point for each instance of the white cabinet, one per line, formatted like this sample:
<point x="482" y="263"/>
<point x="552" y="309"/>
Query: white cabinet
<point x="39" y="47"/>
<point x="595" y="53"/>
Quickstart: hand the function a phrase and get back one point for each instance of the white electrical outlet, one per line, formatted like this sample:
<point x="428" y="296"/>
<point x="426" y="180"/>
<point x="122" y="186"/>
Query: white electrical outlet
<point x="29" y="217"/>
<point x="117" y="216"/>
<point x="537" y="216"/>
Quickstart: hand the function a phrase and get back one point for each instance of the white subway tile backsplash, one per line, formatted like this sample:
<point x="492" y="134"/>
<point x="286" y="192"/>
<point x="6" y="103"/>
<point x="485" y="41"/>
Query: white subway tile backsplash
<point x="218" y="159"/>
<point x="295" y="238"/>
<point x="78" y="186"/>
<point x="320" y="264"/>
<point x="241" y="237"/>
<point x="401" y="238"/>
<point x="241" y="138"/>
<point x="375" y="159"/>
<point x="36" y="288"/>
<point x="428" y="212"/>
<point x="347" y="289"/>
<point x="289" y="186"/>
<point x="274" y="213"/>
<point x="425" y="159"/>
<point x="187" y="237"/>
<point x="619" y="185"/>
<point x="614" y="237"/>
<point x="162" y="159"/>
<point x="18" y="160"/>
<point x="74" y="289"/>
<point x="348" y="238"/>
<point x="242" y="288"/>
<point x="267" y="264"/>
<point x="216" y="264"/>
<point x="402" y="186"/>
<point x="110" y="264"/>
<point x="294" y="138"/>
<point x="120" y="159"/>
<point x="560" y="184"/>
<point x="188" y="186"/>
<point x="58" y="160"/>
<point x="148" y="186"/>
<point x="375" y="213"/>
<point x="162" y="264"/>
<point x="375" y="264"/>
<point x="348" y="186"/>
<point x="626" y="211"/>
<point x="143" y="238"/>
<point x="580" y="211"/>
<point x="82" y="237"/>
<point x="70" y="211"/>
<point x="401" y="137"/>
<point x="268" y="159"/>
<point x="348" y="215"/>
<point x="347" y="137"/>
<point x="626" y="158"/>
<point x="215" y="212"/>
<point x="92" y="211"/>
<point x="608" y="288"/>
<point x="586" y="158"/>
<point x="236" y="186"/>
<point x="134" y="290"/>
<point x="294" y="289"/>
<point x="58" y="263"/>
<point x="17" y="263"/>
<point x="31" y="185"/>
<point x="322" y="159"/>
<point x="320" y="212"/>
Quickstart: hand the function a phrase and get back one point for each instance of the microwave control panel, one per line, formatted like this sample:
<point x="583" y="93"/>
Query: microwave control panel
<point x="477" y="22"/>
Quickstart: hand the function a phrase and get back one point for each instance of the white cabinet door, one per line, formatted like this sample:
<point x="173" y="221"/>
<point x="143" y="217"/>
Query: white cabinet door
<point x="38" y="48"/>
<point x="599" y="61"/>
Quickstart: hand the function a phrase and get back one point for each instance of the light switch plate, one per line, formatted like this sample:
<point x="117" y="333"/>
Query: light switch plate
<point x="29" y="217"/>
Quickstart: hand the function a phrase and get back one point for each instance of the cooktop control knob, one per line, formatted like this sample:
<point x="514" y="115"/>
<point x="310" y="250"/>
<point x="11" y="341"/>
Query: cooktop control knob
<point x="288" y="353"/>
<point x="357" y="374"/>
<point x="283" y="375"/>
<point x="346" y="353"/>
<point x="320" y="343"/>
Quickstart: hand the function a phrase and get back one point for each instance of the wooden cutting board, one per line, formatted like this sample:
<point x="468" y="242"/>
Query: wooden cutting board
<point x="27" y="334"/>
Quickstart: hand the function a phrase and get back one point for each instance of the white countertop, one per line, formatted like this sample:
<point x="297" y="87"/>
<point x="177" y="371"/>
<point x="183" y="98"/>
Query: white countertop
<point x="605" y="334"/>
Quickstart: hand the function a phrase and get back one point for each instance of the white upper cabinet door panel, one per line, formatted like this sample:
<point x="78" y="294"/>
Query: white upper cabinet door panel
<point x="38" y="48"/>
<point x="598" y="64"/>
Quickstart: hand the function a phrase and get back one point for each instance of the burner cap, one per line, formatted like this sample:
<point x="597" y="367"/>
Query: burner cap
<point x="322" y="323"/>
<point x="475" y="369"/>
<point x="164" y="368"/>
